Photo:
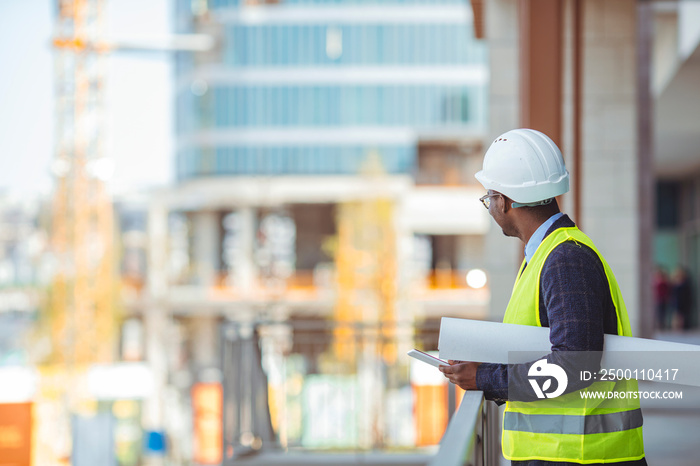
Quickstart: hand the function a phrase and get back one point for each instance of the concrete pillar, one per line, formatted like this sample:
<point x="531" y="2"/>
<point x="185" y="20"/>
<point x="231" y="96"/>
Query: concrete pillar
<point x="609" y="140"/>
<point x="646" y="183"/>
<point x="245" y="269"/>
<point x="470" y="253"/>
<point x="204" y="330"/>
<point x="207" y="246"/>
<point x="406" y="309"/>
<point x="205" y="348"/>
<point x="501" y="253"/>
<point x="156" y="319"/>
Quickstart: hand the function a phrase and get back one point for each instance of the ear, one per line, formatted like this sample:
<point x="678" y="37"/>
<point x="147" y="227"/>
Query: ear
<point x="506" y="204"/>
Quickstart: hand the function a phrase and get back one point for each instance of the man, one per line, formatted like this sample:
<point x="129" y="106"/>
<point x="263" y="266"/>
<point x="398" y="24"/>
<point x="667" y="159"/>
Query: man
<point x="681" y="294"/>
<point x="566" y="285"/>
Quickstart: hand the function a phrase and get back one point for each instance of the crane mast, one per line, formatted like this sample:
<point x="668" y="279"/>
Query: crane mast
<point x="80" y="317"/>
<point x="81" y="304"/>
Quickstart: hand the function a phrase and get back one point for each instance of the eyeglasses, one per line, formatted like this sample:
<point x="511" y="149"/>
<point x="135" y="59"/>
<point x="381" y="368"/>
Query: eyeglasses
<point x="486" y="199"/>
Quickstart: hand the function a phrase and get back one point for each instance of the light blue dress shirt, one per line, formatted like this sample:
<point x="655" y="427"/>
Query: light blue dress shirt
<point x="538" y="236"/>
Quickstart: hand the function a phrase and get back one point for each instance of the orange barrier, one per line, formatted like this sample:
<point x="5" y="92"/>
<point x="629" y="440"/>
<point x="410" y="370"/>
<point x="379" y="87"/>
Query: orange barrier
<point x="207" y="404"/>
<point x="16" y="434"/>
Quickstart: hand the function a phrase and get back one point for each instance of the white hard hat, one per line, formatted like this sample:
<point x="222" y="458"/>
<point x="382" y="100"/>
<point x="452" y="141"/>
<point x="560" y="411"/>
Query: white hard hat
<point x="526" y="166"/>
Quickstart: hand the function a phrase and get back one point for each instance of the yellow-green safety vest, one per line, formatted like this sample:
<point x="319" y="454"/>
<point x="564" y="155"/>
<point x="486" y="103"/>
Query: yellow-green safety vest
<point x="570" y="428"/>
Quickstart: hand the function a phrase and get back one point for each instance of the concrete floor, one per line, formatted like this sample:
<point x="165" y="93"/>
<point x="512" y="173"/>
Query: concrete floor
<point x="672" y="434"/>
<point x="672" y="438"/>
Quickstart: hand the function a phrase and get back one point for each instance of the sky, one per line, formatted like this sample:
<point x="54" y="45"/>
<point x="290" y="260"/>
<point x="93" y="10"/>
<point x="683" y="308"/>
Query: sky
<point x="138" y="98"/>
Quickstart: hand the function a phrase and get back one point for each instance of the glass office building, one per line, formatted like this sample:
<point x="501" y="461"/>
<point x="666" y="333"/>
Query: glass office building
<point x="312" y="87"/>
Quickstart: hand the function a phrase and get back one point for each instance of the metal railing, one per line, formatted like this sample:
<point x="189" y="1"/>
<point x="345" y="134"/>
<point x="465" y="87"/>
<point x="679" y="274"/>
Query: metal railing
<point x="471" y="438"/>
<point x="261" y="373"/>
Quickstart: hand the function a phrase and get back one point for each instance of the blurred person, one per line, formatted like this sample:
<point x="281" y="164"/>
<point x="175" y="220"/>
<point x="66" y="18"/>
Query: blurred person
<point x="682" y="297"/>
<point x="565" y="284"/>
<point x="662" y="294"/>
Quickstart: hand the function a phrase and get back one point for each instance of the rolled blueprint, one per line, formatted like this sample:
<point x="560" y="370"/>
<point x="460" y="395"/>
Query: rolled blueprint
<point x="643" y="359"/>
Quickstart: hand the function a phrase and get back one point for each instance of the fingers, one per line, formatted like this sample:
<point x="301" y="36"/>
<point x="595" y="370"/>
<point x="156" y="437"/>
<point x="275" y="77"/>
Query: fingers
<point x="461" y="373"/>
<point x="451" y="369"/>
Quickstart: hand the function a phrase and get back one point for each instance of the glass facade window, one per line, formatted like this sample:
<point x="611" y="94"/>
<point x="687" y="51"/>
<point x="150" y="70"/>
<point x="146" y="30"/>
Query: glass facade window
<point x="668" y="202"/>
<point x="292" y="160"/>
<point x="352" y="44"/>
<point x="278" y="76"/>
<point x="333" y="106"/>
<point x="184" y="63"/>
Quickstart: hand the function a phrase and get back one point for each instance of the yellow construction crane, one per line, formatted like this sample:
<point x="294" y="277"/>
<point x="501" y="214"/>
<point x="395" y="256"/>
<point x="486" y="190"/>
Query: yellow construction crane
<point x="81" y="310"/>
<point x="82" y="299"/>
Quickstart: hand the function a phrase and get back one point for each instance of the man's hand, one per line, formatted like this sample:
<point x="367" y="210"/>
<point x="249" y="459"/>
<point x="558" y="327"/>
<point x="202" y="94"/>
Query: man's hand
<point x="461" y="373"/>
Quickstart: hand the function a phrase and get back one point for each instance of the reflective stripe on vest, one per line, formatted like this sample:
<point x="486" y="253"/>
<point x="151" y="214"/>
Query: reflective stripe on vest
<point x="542" y="430"/>
<point x="574" y="425"/>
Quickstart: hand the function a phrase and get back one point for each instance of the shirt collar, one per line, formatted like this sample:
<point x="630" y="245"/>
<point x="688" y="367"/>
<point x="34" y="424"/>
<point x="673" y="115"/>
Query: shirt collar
<point x="538" y="236"/>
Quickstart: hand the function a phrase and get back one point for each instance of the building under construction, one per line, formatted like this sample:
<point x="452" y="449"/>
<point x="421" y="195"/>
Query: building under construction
<point x="325" y="209"/>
